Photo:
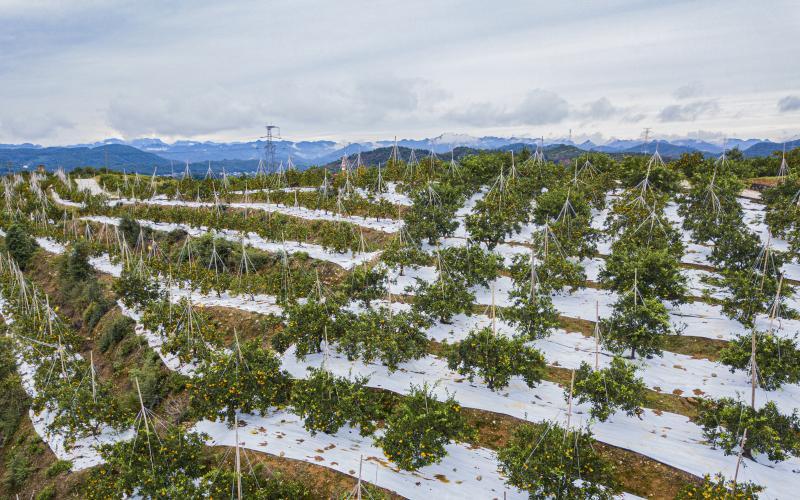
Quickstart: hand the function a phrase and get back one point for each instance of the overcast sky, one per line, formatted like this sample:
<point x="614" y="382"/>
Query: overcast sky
<point x="78" y="71"/>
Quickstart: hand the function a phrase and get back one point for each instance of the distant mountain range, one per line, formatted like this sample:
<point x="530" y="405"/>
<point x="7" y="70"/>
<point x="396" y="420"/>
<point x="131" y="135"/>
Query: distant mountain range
<point x="146" y="154"/>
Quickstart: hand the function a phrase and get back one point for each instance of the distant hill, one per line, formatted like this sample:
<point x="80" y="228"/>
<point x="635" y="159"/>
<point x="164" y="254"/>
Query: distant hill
<point x="116" y="156"/>
<point x="144" y="155"/>
<point x="766" y="148"/>
<point x="382" y="155"/>
<point x="665" y="149"/>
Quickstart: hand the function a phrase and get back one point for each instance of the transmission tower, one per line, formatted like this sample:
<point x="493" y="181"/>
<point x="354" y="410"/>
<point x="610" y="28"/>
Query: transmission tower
<point x="273" y="132"/>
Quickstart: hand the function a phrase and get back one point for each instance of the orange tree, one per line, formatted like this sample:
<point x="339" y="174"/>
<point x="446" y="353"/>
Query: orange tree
<point x="548" y="461"/>
<point x="496" y="358"/>
<point x="420" y="426"/>
<point x="248" y="379"/>
<point x="326" y="403"/>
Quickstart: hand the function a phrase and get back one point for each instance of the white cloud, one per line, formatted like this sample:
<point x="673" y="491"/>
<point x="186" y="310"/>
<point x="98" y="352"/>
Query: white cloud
<point x="688" y="112"/>
<point x="537" y="107"/>
<point x="789" y="103"/>
<point x="688" y="91"/>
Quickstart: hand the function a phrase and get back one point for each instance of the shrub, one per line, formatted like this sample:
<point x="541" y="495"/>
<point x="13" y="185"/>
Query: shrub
<point x="382" y="334"/>
<point x="248" y="379"/>
<point x="533" y="314"/>
<point x="19" y="244"/>
<point x="638" y="324"/>
<point x="164" y="463"/>
<point x="135" y="287"/>
<point x="496" y="359"/>
<point x="59" y="467"/>
<point x="47" y="493"/>
<point x="75" y="265"/>
<point x="718" y="487"/>
<point x="114" y="331"/>
<point x="548" y="461"/>
<point x="443" y="299"/>
<point x="13" y="399"/>
<point x="777" y="359"/>
<point x="18" y="469"/>
<point x="471" y="264"/>
<point x="724" y="421"/>
<point x="217" y="484"/>
<point x="609" y="388"/>
<point x="365" y="284"/>
<point x="326" y="403"/>
<point x="419" y="427"/>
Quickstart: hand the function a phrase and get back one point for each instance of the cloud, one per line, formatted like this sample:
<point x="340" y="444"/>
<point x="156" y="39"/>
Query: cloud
<point x="190" y="114"/>
<point x="538" y="107"/>
<point x="688" y="91"/>
<point x="333" y="104"/>
<point x="31" y="127"/>
<point x="688" y="112"/>
<point x="601" y="109"/>
<point x="789" y="103"/>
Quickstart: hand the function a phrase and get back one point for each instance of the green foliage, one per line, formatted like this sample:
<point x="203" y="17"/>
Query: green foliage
<point x="47" y="493"/>
<point x="553" y="273"/>
<point x="420" y="426"/>
<point x="75" y="265"/>
<point x="471" y="264"/>
<point x="534" y="316"/>
<point x="326" y="403"/>
<point x="637" y="323"/>
<point x="719" y="488"/>
<point x="609" y="389"/>
<point x="432" y="212"/>
<point x="501" y="212"/>
<point x="663" y="179"/>
<point x="548" y="461"/>
<point x="77" y="406"/>
<point x="13" y="399"/>
<point x="496" y="359"/>
<point x="218" y="483"/>
<point x="751" y="292"/>
<point x="114" y="331"/>
<point x="129" y="229"/>
<point x="382" y="334"/>
<point x="189" y="333"/>
<point x="58" y="467"/>
<point x="725" y="420"/>
<point x="308" y="324"/>
<point x="736" y="249"/>
<point x="365" y="284"/>
<point x="560" y="201"/>
<point x="442" y="299"/>
<point x="402" y="253"/>
<point x="777" y="359"/>
<point x="20" y="244"/>
<point x="155" y="382"/>
<point x="655" y="272"/>
<point x="135" y="287"/>
<point x="711" y="206"/>
<point x="18" y="468"/>
<point x="127" y="469"/>
<point x="248" y="379"/>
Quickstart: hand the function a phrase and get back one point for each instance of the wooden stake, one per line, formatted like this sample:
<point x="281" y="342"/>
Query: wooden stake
<point x="94" y="385"/>
<point x="569" y="410"/>
<point x="739" y="460"/>
<point x="494" y="316"/>
<point x="753" y="368"/>
<point x="358" y="486"/>
<point x="596" y="334"/>
<point x="238" y="460"/>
